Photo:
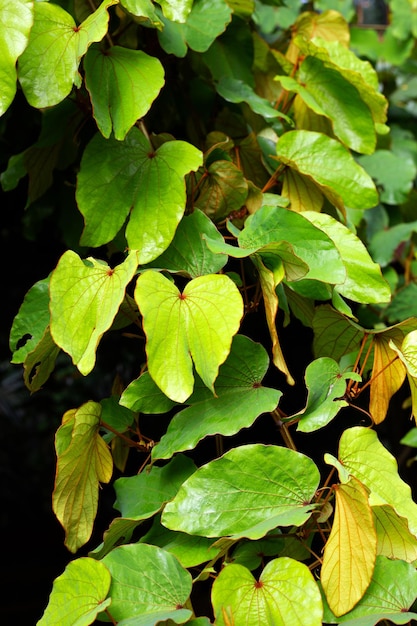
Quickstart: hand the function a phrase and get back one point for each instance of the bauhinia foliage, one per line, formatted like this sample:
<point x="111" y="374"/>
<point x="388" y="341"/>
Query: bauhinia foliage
<point x="241" y="168"/>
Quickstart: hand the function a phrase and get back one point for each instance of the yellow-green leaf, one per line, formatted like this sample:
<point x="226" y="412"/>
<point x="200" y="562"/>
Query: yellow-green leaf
<point x="84" y="460"/>
<point x="388" y="374"/>
<point x="394" y="538"/>
<point x="350" y="552"/>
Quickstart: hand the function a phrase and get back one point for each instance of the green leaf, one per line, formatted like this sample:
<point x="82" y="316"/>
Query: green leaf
<point x="78" y="289"/>
<point x="334" y="334"/>
<point x="393" y="174"/>
<point x="40" y="363"/>
<point x="111" y="74"/>
<point x="364" y="457"/>
<point x="385" y="242"/>
<point x="84" y="460"/>
<point x="326" y="384"/>
<point x="163" y="590"/>
<point x="48" y="67"/>
<point x="206" y="21"/>
<point x="224" y="190"/>
<point x="140" y="497"/>
<point x="403" y="304"/>
<point x="364" y="281"/>
<point x="176" y="10"/>
<point x="144" y="396"/>
<point x="196" y="325"/>
<point x="327" y="92"/>
<point x="394" y="538"/>
<point x="119" y="175"/>
<point x="116" y="416"/>
<point x="145" y="9"/>
<point x="240" y="398"/>
<point x="188" y="252"/>
<point x="245" y="493"/>
<point x="286" y="593"/>
<point x="78" y="594"/>
<point x="330" y="166"/>
<point x="16" y="19"/>
<point x="391" y="593"/>
<point x="234" y="90"/>
<point x="31" y="321"/>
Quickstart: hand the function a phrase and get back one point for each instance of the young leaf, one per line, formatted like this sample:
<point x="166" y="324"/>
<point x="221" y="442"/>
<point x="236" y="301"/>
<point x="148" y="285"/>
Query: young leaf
<point x="84" y="461"/>
<point x="240" y="399"/>
<point x="286" y="593"/>
<point x="245" y="493"/>
<point x="31" y="321"/>
<point x="78" y="594"/>
<point x="111" y="74"/>
<point x="350" y="551"/>
<point x="364" y="457"/>
<point x="196" y="325"/>
<point x="158" y="588"/>
<point x="118" y="175"/>
<point x="48" y="67"/>
<point x="330" y="166"/>
<point x="78" y="290"/>
<point x="394" y="538"/>
<point x="16" y="19"/>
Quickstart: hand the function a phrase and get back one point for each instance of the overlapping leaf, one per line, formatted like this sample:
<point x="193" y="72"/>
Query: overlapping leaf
<point x="388" y="372"/>
<point x="112" y="74"/>
<point x="245" y="493"/>
<point x="114" y="176"/>
<point x="31" y="321"/>
<point x="16" y="19"/>
<point x="78" y="290"/>
<point x="235" y="90"/>
<point x="240" y="398"/>
<point x="158" y="595"/>
<point x="144" y="396"/>
<point x="78" y="595"/>
<point x="350" y="551"/>
<point x="84" y="461"/>
<point x="196" y="325"/>
<point x="40" y="363"/>
<point x="286" y="593"/>
<point x="394" y="538"/>
<point x="223" y="190"/>
<point x="48" y="67"/>
<point x="144" y="9"/>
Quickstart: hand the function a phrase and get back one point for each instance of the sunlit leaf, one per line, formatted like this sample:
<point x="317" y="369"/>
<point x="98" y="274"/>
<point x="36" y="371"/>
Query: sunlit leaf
<point x="245" y="493"/>
<point x="40" y="363"/>
<point x="31" y="321"/>
<point x="176" y="10"/>
<point x="78" y="290"/>
<point x="109" y="75"/>
<point x="163" y="590"/>
<point x="145" y="9"/>
<point x="48" y="67"/>
<point x="196" y="325"/>
<point x="83" y="462"/>
<point x="286" y="593"/>
<point x="350" y="551"/>
<point x="304" y="194"/>
<point x="388" y="373"/>
<point x="394" y="538"/>
<point x="118" y="175"/>
<point x="238" y="384"/>
<point x="16" y="19"/>
<point x="144" y="396"/>
<point x="78" y="594"/>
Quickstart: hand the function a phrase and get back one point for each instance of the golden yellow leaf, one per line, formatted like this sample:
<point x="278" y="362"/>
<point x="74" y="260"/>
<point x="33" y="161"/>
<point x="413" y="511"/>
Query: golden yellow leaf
<point x="388" y="374"/>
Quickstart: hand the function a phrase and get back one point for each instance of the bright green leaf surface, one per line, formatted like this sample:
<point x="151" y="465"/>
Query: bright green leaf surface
<point x="82" y="465"/>
<point x="16" y="19"/>
<point x="365" y="457"/>
<point x="114" y="176"/>
<point x="78" y="595"/>
<point x="285" y="595"/>
<point x="195" y="326"/>
<point x="113" y="74"/>
<point x="408" y="353"/>
<point x="234" y="90"/>
<point x="326" y="385"/>
<point x="245" y="493"/>
<point x="393" y="174"/>
<point x="31" y="321"/>
<point x="364" y="281"/>
<point x="165" y="587"/>
<point x="240" y="399"/>
<point x="394" y="539"/>
<point x="141" y="496"/>
<point x="176" y="616"/>
<point x="329" y="165"/>
<point x="145" y="9"/>
<point x="78" y="291"/>
<point x="48" y="67"/>
<point x="176" y="10"/>
<point x="391" y="593"/>
<point x="188" y="253"/>
<point x="144" y="396"/>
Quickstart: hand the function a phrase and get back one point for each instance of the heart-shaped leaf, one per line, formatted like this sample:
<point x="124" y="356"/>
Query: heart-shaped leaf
<point x="240" y="399"/>
<point x="84" y="460"/>
<point x="118" y="175"/>
<point x="78" y="289"/>
<point x="48" y="67"/>
<point x="112" y="73"/>
<point x="350" y="551"/>
<point x="163" y="590"/>
<point x="196" y="325"/>
<point x="245" y="493"/>
<point x="78" y="595"/>
<point x="286" y="593"/>
<point x="16" y="19"/>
